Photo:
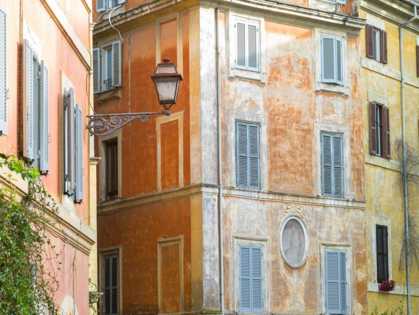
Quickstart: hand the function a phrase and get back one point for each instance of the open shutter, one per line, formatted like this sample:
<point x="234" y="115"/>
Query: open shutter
<point x="241" y="45"/>
<point x="257" y="279"/>
<point x="3" y="71"/>
<point x="326" y="164"/>
<point x="69" y="143"/>
<point x="29" y="101"/>
<point x="253" y="160"/>
<point x="383" y="46"/>
<point x="96" y="70"/>
<point x="341" y="1"/>
<point x="386" y="133"/>
<point x="369" y="35"/>
<point x="245" y="279"/>
<point x="252" y="35"/>
<point x="373" y="128"/>
<point x="339" y="61"/>
<point x="116" y="55"/>
<point x="417" y="60"/>
<point x="100" y="5"/>
<point x="328" y="56"/>
<point x="242" y="163"/>
<point x="44" y="127"/>
<point x="332" y="283"/>
<point x="337" y="166"/>
<point x="343" y="284"/>
<point x="79" y="155"/>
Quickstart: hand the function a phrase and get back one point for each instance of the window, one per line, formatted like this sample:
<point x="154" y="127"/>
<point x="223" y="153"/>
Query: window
<point x="73" y="147"/>
<point x="332" y="165"/>
<point x="417" y="60"/>
<point x="36" y="110"/>
<point x="111" y="160"/>
<point x="382" y="253"/>
<point x="251" y="279"/>
<point x="247" y="155"/>
<point x="3" y="71"/>
<point x="105" y="5"/>
<point x="107" y="67"/>
<point x="247" y="44"/>
<point x="379" y="130"/>
<point x="332" y="59"/>
<point x="376" y="44"/>
<point x="336" y="282"/>
<point x="110" y="285"/>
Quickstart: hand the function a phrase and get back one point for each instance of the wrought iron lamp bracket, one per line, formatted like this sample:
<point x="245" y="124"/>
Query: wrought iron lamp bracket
<point x="105" y="124"/>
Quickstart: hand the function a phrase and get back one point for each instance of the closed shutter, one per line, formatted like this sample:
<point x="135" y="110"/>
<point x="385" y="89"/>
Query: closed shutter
<point x="328" y="55"/>
<point x="111" y="285"/>
<point x="337" y="166"/>
<point x="245" y="279"/>
<point x="30" y="145"/>
<point x="369" y="35"/>
<point x="248" y="169"/>
<point x="241" y="45"/>
<point x="96" y="70"/>
<point x="251" y="279"/>
<point x="253" y="156"/>
<point x="382" y="253"/>
<point x="373" y="128"/>
<point x="417" y="60"/>
<point x="100" y="5"/>
<point x="333" y="288"/>
<point x="343" y="284"/>
<point x="332" y="165"/>
<point x="44" y="127"/>
<point x="383" y="46"/>
<point x="252" y="39"/>
<point x="341" y="1"/>
<point x="69" y="143"/>
<point x="116" y="55"/>
<point x="79" y="155"/>
<point x="257" y="279"/>
<point x="3" y="71"/>
<point x="241" y="167"/>
<point x="339" y="61"/>
<point x="327" y="164"/>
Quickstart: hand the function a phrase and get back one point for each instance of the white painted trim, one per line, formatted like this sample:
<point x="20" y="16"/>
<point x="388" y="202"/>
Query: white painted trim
<point x="376" y="22"/>
<point x="324" y="5"/>
<point x="306" y="241"/>
<point x="160" y="121"/>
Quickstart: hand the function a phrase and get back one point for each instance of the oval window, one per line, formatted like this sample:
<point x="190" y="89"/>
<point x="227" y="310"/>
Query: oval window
<point x="294" y="242"/>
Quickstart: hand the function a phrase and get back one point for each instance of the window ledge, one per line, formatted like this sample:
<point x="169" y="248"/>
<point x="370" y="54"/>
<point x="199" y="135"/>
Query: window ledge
<point x="333" y="88"/>
<point x="256" y="76"/>
<point x="325" y="5"/>
<point x="103" y="97"/>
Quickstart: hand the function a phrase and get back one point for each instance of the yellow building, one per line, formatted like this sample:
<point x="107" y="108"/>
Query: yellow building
<point x="382" y="77"/>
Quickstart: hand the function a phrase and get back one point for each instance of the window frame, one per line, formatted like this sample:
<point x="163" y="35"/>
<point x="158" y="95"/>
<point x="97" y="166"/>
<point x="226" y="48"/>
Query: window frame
<point x="107" y="144"/>
<point x="381" y="129"/>
<point x="332" y="164"/>
<point x="385" y="238"/>
<point x="247" y="23"/>
<point x="101" y="52"/>
<point x="111" y="251"/>
<point x="336" y="41"/>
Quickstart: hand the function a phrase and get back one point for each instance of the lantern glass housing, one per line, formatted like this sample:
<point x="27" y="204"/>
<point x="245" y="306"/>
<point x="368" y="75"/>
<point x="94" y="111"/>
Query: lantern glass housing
<point x="167" y="82"/>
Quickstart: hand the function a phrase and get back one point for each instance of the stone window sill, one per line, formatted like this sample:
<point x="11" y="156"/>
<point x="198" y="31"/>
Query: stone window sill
<point x="103" y="97"/>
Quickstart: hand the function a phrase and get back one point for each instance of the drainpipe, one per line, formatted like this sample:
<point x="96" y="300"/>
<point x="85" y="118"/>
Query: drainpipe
<point x="220" y="166"/>
<point x="405" y="183"/>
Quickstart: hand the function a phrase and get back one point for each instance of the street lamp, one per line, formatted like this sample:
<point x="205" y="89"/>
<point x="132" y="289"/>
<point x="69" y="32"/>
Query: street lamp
<point x="166" y="81"/>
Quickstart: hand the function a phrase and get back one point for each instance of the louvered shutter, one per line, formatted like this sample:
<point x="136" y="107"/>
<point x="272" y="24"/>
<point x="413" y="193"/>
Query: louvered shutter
<point x="326" y="164"/>
<point x="257" y="279"/>
<point x="337" y="166"/>
<point x="79" y="155"/>
<point x="30" y="146"/>
<point x="373" y="128"/>
<point x="383" y="46"/>
<point x="254" y="174"/>
<point x="333" y="287"/>
<point x="382" y="253"/>
<point x="369" y="35"/>
<point x="339" y="61"/>
<point x="116" y="55"/>
<point x="111" y="285"/>
<point x="417" y="60"/>
<point x="100" y="5"/>
<point x="241" y="45"/>
<point x="245" y="279"/>
<point x="3" y="71"/>
<point x="343" y="284"/>
<point x="114" y="300"/>
<point x="44" y="126"/>
<point x="248" y="169"/>
<point x="386" y="132"/>
<point x="328" y="55"/>
<point x="241" y="168"/>
<point x="341" y="1"/>
<point x="252" y="35"/>
<point x="96" y="70"/>
<point x="70" y="143"/>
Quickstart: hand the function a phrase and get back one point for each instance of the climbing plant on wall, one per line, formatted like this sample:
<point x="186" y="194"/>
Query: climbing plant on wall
<point x="28" y="260"/>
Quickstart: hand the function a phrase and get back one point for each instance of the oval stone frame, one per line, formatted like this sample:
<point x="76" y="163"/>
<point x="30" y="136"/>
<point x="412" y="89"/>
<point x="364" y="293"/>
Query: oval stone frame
<point x="305" y="254"/>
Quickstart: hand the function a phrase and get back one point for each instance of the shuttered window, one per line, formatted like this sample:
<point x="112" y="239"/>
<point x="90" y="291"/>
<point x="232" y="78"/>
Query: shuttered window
<point x="376" y="43"/>
<point x="111" y="160"/>
<point x="247" y="155"/>
<point x="107" y="67"/>
<point x="332" y="60"/>
<point x="111" y="285"/>
<point x="336" y="282"/>
<point x="79" y="154"/>
<point x="69" y="142"/>
<point x="251" y="279"/>
<point x="3" y="71"/>
<point x="382" y="253"/>
<point x="247" y="45"/>
<point x="332" y="165"/>
<point x="379" y="130"/>
<point x="104" y="5"/>
<point x="417" y="60"/>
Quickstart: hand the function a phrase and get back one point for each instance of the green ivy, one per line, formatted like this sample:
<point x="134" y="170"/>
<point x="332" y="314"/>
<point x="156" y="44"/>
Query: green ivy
<point x="28" y="261"/>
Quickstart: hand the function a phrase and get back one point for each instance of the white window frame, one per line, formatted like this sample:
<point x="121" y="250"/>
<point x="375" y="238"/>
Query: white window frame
<point x="104" y="69"/>
<point x="247" y="23"/>
<point x="103" y="47"/>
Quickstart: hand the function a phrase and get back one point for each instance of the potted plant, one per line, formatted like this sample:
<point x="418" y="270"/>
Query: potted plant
<point x="387" y="285"/>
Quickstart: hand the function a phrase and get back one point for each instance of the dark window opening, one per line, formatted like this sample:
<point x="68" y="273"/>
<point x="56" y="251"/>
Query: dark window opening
<point x="111" y="160"/>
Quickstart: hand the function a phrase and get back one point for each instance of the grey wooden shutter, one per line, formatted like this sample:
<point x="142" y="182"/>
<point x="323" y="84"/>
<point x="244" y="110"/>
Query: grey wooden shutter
<point x="79" y="155"/>
<point x="248" y="165"/>
<point x="369" y="35"/>
<point x="96" y="71"/>
<point x="253" y="168"/>
<point x="100" y="5"/>
<point x="241" y="45"/>
<point x="333" y="288"/>
<point x="373" y="128"/>
<point x="326" y="144"/>
<point x="328" y="55"/>
<point x="245" y="279"/>
<point x="116" y="55"/>
<point x="252" y="39"/>
<point x="337" y="166"/>
<point x="44" y="126"/>
<point x="343" y="284"/>
<point x="382" y="253"/>
<point x="30" y="146"/>
<point x="3" y="71"/>
<point x="383" y="48"/>
<point x="257" y="279"/>
<point x="241" y="168"/>
<point x="69" y="143"/>
<point x="339" y="61"/>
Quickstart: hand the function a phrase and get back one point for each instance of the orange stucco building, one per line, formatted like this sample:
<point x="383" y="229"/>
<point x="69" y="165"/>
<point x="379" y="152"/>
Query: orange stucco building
<point x="285" y="76"/>
<point x="45" y="56"/>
